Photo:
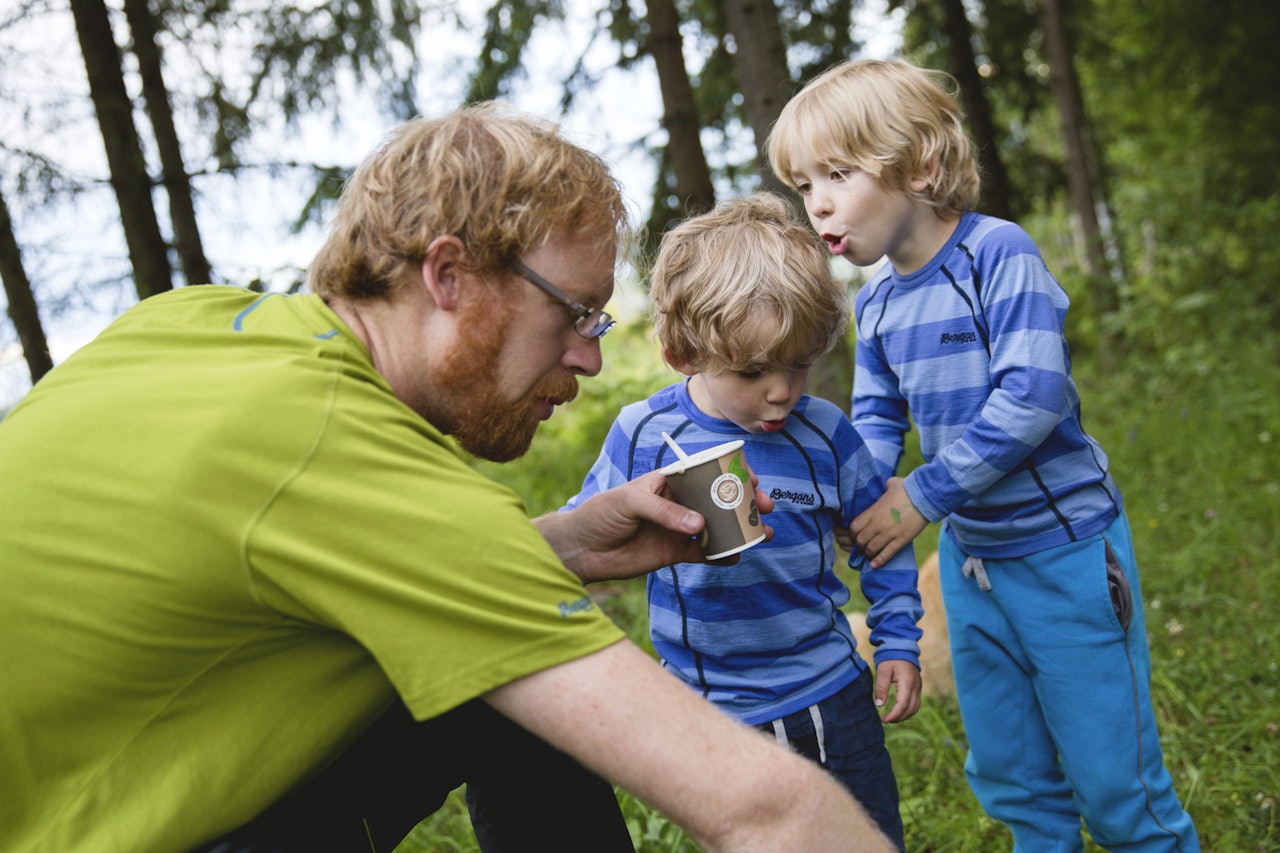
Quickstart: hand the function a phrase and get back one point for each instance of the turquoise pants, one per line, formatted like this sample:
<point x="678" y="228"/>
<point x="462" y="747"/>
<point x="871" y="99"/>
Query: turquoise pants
<point x="1053" y="676"/>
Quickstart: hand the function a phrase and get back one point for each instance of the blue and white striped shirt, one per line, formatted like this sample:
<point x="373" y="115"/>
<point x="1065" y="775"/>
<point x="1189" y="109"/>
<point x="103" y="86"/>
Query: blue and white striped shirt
<point x="766" y="637"/>
<point x="971" y="347"/>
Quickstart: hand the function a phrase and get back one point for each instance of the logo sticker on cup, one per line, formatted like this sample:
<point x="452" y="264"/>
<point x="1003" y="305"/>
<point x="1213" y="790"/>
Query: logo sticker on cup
<point x="717" y="483"/>
<point x="727" y="491"/>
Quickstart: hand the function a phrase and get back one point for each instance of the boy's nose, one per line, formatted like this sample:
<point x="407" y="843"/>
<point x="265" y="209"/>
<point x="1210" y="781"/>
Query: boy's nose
<point x="779" y="389"/>
<point x="818" y="203"/>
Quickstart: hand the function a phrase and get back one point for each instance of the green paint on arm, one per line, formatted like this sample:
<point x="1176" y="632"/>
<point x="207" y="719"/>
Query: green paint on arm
<point x="897" y="516"/>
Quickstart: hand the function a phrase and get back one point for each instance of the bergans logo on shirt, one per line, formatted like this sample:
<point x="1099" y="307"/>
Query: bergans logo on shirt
<point x="568" y="608"/>
<point x="798" y="498"/>
<point x="959" y="338"/>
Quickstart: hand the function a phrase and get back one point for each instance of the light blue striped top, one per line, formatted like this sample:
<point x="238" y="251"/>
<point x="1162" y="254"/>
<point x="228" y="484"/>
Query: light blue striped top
<point x="766" y="637"/>
<point x="971" y="348"/>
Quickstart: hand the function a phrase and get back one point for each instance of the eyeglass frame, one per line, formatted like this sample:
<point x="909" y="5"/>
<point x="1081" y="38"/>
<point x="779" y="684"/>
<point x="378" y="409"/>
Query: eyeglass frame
<point x="580" y="313"/>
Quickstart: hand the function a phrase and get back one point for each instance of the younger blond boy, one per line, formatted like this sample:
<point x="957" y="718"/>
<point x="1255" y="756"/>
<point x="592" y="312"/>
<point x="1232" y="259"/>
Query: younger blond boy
<point x="743" y="304"/>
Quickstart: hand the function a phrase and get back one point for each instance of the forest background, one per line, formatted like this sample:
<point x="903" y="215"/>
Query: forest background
<point x="151" y="144"/>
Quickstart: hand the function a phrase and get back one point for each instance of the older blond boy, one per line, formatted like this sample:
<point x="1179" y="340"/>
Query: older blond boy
<point x="962" y="331"/>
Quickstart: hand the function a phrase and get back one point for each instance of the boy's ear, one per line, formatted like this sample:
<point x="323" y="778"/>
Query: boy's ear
<point x="679" y="365"/>
<point x="441" y="270"/>
<point x="928" y="176"/>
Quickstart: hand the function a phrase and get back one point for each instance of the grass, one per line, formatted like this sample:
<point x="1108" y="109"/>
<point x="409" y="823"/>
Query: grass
<point x="1194" y="448"/>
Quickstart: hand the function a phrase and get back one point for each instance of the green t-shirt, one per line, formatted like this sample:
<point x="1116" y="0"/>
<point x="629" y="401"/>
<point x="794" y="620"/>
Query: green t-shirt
<point x="225" y="547"/>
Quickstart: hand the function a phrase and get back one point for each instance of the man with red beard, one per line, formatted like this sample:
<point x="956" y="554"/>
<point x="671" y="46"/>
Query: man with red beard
<point x="256" y="600"/>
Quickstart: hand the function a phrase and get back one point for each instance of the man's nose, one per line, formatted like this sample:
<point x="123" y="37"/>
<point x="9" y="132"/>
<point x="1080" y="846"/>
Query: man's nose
<point x="583" y="355"/>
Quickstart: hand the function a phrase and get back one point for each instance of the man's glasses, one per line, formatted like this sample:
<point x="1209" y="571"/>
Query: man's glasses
<point x="590" y="323"/>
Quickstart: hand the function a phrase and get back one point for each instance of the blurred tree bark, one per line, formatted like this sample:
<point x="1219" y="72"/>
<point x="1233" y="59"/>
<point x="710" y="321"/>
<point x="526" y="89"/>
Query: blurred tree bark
<point x="680" y="119"/>
<point x="964" y="67"/>
<point x="1088" y="192"/>
<point x="22" y="303"/>
<point x="177" y="184"/>
<point x="760" y="61"/>
<point x="147" y="250"/>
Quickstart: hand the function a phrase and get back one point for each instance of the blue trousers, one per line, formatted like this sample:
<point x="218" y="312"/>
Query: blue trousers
<point x="845" y="735"/>
<point x="1053" y="672"/>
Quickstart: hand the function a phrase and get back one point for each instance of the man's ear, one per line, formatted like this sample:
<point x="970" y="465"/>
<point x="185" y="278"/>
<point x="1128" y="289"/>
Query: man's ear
<point x="679" y="365"/>
<point x="441" y="270"/>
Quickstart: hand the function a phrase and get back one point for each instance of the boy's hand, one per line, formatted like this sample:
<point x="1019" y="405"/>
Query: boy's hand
<point x="888" y="525"/>
<point x="906" y="696"/>
<point x="844" y="538"/>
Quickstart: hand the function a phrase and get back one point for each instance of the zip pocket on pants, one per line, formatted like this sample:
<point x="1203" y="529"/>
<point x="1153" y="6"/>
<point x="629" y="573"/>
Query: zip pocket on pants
<point x="1118" y="586"/>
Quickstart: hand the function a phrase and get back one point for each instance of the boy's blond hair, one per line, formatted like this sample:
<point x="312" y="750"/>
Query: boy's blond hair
<point x="717" y="272"/>
<point x="887" y="118"/>
<point x="502" y="181"/>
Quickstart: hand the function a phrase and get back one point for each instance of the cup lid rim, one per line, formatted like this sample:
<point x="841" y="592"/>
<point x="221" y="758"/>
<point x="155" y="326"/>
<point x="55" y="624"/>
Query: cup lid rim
<point x="681" y="465"/>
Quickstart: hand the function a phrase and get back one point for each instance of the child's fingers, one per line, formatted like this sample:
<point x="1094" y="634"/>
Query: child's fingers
<point x="882" y="552"/>
<point x="882" y="692"/>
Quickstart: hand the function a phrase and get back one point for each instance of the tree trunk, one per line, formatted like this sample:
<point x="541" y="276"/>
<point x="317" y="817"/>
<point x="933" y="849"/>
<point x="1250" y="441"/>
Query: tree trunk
<point x="1087" y="192"/>
<point x="995" y="180"/>
<point x="22" y="304"/>
<point x="763" y="77"/>
<point x="177" y="184"/>
<point x="765" y="81"/>
<point x="129" y="178"/>
<point x="679" y="111"/>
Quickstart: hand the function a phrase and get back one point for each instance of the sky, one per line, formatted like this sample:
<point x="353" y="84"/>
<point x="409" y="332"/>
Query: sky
<point x="44" y="107"/>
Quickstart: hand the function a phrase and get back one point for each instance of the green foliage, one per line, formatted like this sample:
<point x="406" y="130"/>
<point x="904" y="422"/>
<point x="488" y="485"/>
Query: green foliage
<point x="309" y="47"/>
<point x="819" y="32"/>
<point x="508" y="27"/>
<point x="1194" y="452"/>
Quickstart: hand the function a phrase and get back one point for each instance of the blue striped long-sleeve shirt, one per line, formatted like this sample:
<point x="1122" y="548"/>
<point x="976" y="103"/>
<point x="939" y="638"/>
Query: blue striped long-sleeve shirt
<point x="971" y="347"/>
<point x="766" y="637"/>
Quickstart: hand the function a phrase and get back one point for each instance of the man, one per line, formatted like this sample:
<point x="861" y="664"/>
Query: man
<point x="255" y="600"/>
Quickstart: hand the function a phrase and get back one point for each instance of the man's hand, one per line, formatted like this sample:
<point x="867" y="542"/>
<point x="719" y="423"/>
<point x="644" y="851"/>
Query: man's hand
<point x="631" y="530"/>
<point x="888" y="525"/>
<point x="906" y="695"/>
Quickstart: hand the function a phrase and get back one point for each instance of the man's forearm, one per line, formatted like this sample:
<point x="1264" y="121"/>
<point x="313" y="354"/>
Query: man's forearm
<point x="730" y="787"/>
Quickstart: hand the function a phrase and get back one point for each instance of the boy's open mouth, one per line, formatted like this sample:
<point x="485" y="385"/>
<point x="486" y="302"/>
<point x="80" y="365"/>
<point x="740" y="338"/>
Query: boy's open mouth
<point x="836" y="244"/>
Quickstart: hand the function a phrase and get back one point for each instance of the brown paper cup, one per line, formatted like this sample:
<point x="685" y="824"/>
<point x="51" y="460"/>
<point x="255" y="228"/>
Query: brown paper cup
<point x="715" y="482"/>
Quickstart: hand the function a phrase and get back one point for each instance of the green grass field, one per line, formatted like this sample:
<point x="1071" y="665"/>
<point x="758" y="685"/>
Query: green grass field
<point x="1195" y="451"/>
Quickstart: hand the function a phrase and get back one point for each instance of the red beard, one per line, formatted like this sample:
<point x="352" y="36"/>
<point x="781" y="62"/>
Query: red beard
<point x="484" y="424"/>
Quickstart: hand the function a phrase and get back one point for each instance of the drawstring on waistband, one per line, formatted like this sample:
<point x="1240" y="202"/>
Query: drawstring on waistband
<point x="819" y="733"/>
<point x="973" y="568"/>
<point x="780" y="734"/>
